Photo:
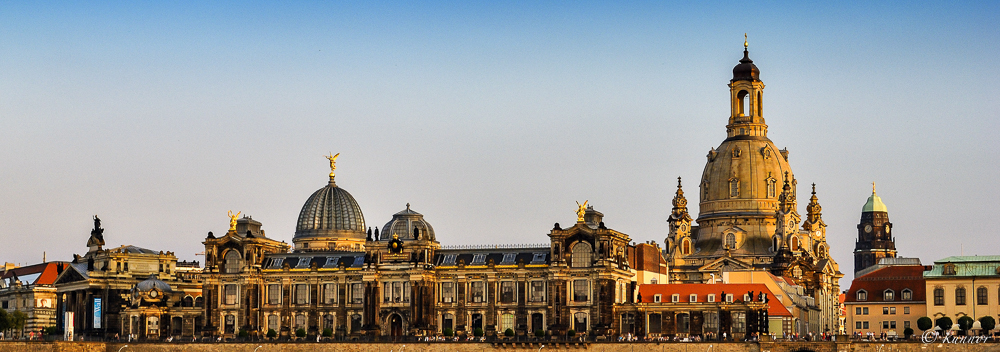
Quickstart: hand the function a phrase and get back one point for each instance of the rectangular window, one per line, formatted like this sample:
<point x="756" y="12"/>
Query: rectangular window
<point x="892" y="324"/>
<point x="477" y="291"/>
<point x="507" y="292"/>
<point x="329" y="293"/>
<point x="711" y="298"/>
<point x="739" y="322"/>
<point x="906" y="324"/>
<point x="960" y="296"/>
<point x="538" y="291"/>
<point x="406" y="291"/>
<point x="447" y="292"/>
<point x="272" y="323"/>
<point x="864" y="311"/>
<point x="657" y="298"/>
<point x="885" y="325"/>
<point x="302" y="294"/>
<point x="907" y="295"/>
<point x="864" y="325"/>
<point x="857" y="311"/>
<point x="885" y="310"/>
<point x="478" y="259"/>
<point x="231" y="294"/>
<point x="892" y="310"/>
<point x="581" y="291"/>
<point x="906" y="310"/>
<point x="397" y="292"/>
<point x="358" y="293"/>
<point x="693" y="298"/>
<point x="857" y="325"/>
<point x="938" y="297"/>
<point x="274" y="294"/>
<point x="508" y="259"/>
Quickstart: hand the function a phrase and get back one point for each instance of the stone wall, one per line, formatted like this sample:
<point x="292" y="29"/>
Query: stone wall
<point x="481" y="347"/>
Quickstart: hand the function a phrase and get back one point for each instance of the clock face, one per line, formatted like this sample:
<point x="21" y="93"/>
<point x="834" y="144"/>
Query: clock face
<point x="152" y="294"/>
<point x="886" y="228"/>
<point x="868" y="228"/>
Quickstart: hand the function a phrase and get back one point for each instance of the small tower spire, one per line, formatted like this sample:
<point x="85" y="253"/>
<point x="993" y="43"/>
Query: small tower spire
<point x="745" y="44"/>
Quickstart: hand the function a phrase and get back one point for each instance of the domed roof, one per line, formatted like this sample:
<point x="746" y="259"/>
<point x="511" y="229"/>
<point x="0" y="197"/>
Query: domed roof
<point x="331" y="212"/>
<point x="874" y="204"/>
<point x="403" y="223"/>
<point x="746" y="70"/>
<point x="152" y="283"/>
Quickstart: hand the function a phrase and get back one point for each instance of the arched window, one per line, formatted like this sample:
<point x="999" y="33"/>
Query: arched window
<point x="794" y="243"/>
<point x="300" y="321"/>
<point x="506" y="322"/>
<point x="704" y="190"/>
<point x="774" y="243"/>
<point x="686" y="247"/>
<point x="730" y="241"/>
<point x="199" y="302"/>
<point x="233" y="262"/>
<point x="734" y="188"/>
<point x="582" y="254"/>
<point x="771" y="187"/>
<point x="888" y="295"/>
<point x="272" y="323"/>
<point x="981" y="294"/>
<point x="960" y="296"/>
<point x="742" y="101"/>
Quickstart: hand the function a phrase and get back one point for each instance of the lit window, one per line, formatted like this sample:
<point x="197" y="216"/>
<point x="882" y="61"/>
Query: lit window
<point x="233" y="262"/>
<point x="907" y="295"/>
<point x="730" y="241"/>
<point x="862" y="295"/>
<point x="888" y="295"/>
<point x="581" y="291"/>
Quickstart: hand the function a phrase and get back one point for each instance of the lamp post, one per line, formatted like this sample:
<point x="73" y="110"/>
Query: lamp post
<point x="258" y="347"/>
<point x="123" y="347"/>
<point x="540" y="348"/>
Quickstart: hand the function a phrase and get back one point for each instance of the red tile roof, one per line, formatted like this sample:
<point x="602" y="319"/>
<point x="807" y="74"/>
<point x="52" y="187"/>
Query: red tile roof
<point x="895" y="278"/>
<point x="775" y="308"/>
<point x="48" y="272"/>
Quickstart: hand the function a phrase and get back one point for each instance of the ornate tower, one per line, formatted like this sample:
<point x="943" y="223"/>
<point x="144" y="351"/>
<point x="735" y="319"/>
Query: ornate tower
<point x="741" y="182"/>
<point x="874" y="234"/>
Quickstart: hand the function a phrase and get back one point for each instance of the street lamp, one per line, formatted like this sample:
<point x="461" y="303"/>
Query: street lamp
<point x="540" y="348"/>
<point x="123" y="347"/>
<point x="258" y="347"/>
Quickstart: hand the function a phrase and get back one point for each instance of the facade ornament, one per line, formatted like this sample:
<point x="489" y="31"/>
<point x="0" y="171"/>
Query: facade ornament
<point x="581" y="209"/>
<point x="232" y="220"/>
<point x="333" y="164"/>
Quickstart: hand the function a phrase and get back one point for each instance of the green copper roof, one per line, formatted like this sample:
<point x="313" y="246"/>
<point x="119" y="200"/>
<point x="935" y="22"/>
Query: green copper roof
<point x="874" y="204"/>
<point x="966" y="266"/>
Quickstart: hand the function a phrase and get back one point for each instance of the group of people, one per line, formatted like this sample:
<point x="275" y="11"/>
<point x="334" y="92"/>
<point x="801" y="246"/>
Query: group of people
<point x="871" y="336"/>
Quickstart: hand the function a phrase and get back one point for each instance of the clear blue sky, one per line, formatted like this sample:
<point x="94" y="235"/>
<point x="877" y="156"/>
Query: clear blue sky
<point x="491" y="119"/>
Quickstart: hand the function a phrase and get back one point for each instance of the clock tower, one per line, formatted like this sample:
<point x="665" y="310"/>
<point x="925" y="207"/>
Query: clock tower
<point x="875" y="239"/>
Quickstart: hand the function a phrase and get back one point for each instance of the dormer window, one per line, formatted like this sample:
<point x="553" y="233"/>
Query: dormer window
<point x="949" y="269"/>
<point x="693" y="298"/>
<point x="907" y="295"/>
<point x="675" y="298"/>
<point x="479" y="259"/>
<point x="657" y="298"/>
<point x="862" y="295"/>
<point x="888" y="296"/>
<point x="711" y="298"/>
<point x="729" y="298"/>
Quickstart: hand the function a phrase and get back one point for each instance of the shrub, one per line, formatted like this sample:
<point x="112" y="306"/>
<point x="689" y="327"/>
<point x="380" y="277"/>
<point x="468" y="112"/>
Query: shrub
<point x="539" y="333"/>
<point x="53" y="330"/>
<point x="328" y="332"/>
<point x="448" y="332"/>
<point x="925" y="323"/>
<point x="571" y="333"/>
<point x="908" y="332"/>
<point x="508" y="332"/>
<point x="944" y="323"/>
<point x="300" y="332"/>
<point x="965" y="323"/>
<point x="478" y="332"/>
<point x="271" y="333"/>
<point x="243" y="333"/>
<point x="988" y="323"/>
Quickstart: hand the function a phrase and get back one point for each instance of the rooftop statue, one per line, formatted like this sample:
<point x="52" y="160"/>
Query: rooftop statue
<point x="580" y="210"/>
<point x="232" y="220"/>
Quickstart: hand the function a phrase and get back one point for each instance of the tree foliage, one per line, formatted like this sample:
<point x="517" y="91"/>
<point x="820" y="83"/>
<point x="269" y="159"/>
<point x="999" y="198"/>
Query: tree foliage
<point x="944" y="323"/>
<point x="271" y="333"/>
<point x="925" y="323"/>
<point x="988" y="323"/>
<point x="508" y="332"/>
<point x="965" y="322"/>
<point x="300" y="332"/>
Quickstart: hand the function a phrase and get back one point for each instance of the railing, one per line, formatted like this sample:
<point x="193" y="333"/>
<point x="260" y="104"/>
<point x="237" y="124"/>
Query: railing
<point x="498" y="246"/>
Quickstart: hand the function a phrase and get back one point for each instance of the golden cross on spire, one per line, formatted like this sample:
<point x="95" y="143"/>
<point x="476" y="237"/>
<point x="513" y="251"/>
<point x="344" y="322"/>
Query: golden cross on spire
<point x="745" y="44"/>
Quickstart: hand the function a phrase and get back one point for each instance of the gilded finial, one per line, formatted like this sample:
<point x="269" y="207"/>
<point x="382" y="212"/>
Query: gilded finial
<point x="581" y="209"/>
<point x="814" y="188"/>
<point x="232" y="220"/>
<point x="873" y="187"/>
<point x="333" y="164"/>
<point x="678" y="182"/>
<point x="745" y="44"/>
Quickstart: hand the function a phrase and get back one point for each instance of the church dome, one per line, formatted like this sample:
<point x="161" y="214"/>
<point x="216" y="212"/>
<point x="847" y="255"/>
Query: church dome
<point x="331" y="212"/>
<point x="874" y="204"/>
<point x="403" y="224"/>
<point x="152" y="283"/>
<point x="744" y="175"/>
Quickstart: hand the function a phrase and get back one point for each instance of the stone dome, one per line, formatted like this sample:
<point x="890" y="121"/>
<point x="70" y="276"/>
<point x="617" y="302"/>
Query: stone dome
<point x="403" y="223"/>
<point x="331" y="212"/>
<point x="152" y="283"/>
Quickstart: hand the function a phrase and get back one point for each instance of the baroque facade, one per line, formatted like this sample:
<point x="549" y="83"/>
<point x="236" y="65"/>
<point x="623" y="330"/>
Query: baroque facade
<point x="748" y="212"/>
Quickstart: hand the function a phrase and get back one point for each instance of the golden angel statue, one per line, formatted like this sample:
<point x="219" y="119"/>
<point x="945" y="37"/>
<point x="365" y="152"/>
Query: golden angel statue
<point x="232" y="220"/>
<point x="580" y="210"/>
